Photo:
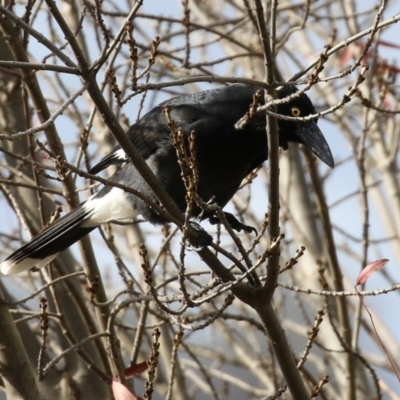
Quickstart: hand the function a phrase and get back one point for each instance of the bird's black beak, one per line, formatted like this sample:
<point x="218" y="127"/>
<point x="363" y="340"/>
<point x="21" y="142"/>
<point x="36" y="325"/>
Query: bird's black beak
<point x="312" y="137"/>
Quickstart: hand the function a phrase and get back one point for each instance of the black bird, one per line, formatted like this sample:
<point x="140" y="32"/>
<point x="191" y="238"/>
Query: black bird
<point x="225" y="156"/>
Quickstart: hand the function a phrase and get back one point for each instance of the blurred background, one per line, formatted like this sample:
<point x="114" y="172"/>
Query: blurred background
<point x="142" y="53"/>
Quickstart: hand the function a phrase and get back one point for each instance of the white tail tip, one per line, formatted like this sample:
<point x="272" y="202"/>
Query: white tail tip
<point x="10" y="267"/>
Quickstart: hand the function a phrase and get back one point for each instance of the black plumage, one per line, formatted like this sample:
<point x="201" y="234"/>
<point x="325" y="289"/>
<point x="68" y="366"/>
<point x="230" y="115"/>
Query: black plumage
<point x="225" y="156"/>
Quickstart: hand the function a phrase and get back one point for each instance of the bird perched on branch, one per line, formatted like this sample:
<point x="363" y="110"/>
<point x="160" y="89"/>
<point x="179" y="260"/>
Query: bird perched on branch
<point x="225" y="155"/>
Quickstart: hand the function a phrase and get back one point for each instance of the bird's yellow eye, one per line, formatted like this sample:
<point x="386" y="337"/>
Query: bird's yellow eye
<point x="296" y="112"/>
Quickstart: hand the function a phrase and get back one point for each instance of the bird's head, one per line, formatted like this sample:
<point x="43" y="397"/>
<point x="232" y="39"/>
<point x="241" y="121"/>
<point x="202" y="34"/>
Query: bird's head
<point x="307" y="133"/>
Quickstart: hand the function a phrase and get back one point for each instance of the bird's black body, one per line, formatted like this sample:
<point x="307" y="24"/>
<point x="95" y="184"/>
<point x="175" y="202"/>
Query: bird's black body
<point x="225" y="156"/>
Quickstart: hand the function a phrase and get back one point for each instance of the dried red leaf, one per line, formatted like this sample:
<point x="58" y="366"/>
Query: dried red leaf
<point x="370" y="269"/>
<point x="120" y="392"/>
<point x="393" y="69"/>
<point x="135" y="369"/>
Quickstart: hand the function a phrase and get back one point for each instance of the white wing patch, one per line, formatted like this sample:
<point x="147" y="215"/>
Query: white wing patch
<point x="153" y="163"/>
<point x="115" y="205"/>
<point x="120" y="155"/>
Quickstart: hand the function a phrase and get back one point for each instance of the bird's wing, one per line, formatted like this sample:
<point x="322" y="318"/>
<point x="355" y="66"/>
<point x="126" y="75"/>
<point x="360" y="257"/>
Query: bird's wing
<point x="141" y="136"/>
<point x="191" y="112"/>
<point x="117" y="156"/>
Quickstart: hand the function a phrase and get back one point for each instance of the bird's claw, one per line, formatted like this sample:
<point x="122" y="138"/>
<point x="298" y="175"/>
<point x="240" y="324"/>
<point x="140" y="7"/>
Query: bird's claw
<point x="234" y="223"/>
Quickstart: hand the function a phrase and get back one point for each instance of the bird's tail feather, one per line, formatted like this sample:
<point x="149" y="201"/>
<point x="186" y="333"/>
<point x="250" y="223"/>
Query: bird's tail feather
<point x="45" y="246"/>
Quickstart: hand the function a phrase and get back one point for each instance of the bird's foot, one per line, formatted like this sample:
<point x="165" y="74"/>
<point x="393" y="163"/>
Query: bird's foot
<point x="234" y="223"/>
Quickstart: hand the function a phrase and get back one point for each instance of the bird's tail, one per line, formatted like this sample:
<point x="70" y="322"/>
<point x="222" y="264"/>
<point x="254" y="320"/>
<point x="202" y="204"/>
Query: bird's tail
<point x="45" y="246"/>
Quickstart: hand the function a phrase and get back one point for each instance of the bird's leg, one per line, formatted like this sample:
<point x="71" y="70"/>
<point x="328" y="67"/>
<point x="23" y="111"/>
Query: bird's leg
<point x="233" y="222"/>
